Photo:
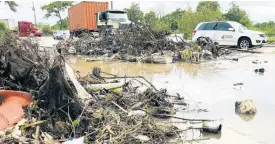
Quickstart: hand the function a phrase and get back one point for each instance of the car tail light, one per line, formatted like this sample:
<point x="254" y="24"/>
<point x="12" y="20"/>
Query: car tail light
<point x="194" y="32"/>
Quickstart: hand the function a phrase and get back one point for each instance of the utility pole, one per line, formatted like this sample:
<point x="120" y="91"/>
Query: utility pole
<point x="34" y="13"/>
<point x="112" y="5"/>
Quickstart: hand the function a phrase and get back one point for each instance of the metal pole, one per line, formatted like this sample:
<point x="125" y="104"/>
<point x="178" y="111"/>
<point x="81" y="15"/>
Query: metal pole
<point x="112" y="5"/>
<point x="34" y="13"/>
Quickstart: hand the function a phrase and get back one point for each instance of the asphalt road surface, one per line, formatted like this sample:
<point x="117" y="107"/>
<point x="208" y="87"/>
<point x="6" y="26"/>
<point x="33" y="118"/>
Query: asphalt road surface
<point x="47" y="41"/>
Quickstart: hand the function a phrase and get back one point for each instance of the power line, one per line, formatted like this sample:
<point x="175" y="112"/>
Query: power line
<point x="34" y="13"/>
<point x="112" y="5"/>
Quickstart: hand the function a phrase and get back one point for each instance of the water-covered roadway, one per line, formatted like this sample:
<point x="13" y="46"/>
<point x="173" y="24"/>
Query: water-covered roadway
<point x="211" y="86"/>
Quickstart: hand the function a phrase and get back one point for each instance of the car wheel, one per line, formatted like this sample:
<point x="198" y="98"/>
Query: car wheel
<point x="244" y="43"/>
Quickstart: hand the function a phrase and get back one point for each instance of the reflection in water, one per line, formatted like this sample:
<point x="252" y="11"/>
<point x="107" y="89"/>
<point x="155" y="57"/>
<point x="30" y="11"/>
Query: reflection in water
<point x="247" y="118"/>
<point x="119" y="68"/>
<point x="191" y="69"/>
<point x="198" y="136"/>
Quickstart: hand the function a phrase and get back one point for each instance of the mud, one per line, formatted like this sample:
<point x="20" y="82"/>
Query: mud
<point x="210" y="86"/>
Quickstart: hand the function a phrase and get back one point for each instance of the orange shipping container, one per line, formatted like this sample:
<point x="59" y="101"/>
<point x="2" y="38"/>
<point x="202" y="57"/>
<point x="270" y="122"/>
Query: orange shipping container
<point x="83" y="15"/>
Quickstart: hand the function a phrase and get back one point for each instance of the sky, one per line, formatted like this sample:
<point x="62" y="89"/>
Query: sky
<point x="259" y="11"/>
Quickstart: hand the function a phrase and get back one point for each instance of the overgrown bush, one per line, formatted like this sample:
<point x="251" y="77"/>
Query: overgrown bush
<point x="46" y="29"/>
<point x="3" y="27"/>
<point x="271" y="39"/>
<point x="185" y="21"/>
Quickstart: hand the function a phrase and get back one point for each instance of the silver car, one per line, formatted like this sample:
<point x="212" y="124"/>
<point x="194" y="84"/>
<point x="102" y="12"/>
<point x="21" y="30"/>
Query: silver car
<point x="57" y="35"/>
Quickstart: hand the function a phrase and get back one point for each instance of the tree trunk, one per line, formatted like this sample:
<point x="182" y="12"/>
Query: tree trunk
<point x="61" y="23"/>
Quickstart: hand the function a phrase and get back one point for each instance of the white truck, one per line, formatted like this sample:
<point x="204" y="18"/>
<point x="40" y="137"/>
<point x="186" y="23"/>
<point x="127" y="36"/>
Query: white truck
<point x="11" y="24"/>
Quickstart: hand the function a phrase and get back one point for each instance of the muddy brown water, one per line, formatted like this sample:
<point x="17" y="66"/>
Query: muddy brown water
<point x="210" y="86"/>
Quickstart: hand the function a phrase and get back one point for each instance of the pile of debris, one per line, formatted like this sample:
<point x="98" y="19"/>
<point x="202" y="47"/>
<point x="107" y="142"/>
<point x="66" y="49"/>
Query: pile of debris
<point x="143" y="44"/>
<point x="63" y="111"/>
<point x="26" y="66"/>
<point x="23" y="65"/>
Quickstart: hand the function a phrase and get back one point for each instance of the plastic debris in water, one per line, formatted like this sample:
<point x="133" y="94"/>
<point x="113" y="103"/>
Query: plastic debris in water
<point x="75" y="141"/>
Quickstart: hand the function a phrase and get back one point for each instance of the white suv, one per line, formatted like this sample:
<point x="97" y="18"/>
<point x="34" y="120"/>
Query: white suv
<point x="229" y="33"/>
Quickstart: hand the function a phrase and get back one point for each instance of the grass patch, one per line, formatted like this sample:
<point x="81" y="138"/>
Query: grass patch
<point x="271" y="39"/>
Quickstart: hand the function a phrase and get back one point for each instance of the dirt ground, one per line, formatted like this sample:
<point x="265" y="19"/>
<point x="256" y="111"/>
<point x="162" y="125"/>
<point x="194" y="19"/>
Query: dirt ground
<point x="47" y="41"/>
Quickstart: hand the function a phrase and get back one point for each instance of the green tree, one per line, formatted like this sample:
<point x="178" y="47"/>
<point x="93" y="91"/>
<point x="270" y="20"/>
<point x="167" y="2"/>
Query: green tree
<point x="211" y="5"/>
<point x="267" y="27"/>
<point x="174" y="19"/>
<point x="235" y="13"/>
<point x="188" y="23"/>
<point x="12" y="5"/>
<point x="205" y="11"/>
<point x="209" y="11"/>
<point x="55" y="9"/>
<point x="134" y="13"/>
<point x="46" y="29"/>
<point x="65" y="25"/>
<point x="3" y="28"/>
<point x="150" y="18"/>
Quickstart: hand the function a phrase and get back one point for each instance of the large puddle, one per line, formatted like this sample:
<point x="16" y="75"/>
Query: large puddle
<point x="210" y="85"/>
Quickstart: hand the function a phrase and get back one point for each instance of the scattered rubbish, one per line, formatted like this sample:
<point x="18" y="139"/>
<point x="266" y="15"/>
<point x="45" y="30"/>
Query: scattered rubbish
<point x="75" y="141"/>
<point x="255" y="62"/>
<point x="143" y="42"/>
<point x="92" y="59"/>
<point x="238" y="84"/>
<point x="245" y="107"/>
<point x="162" y="112"/>
<point x="63" y="109"/>
<point x="260" y="70"/>
<point x="142" y="138"/>
<point x="203" y="110"/>
<point x="212" y="127"/>
<point x="136" y="113"/>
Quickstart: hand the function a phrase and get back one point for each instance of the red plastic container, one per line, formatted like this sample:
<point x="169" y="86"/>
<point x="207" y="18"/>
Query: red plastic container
<point x="11" y="103"/>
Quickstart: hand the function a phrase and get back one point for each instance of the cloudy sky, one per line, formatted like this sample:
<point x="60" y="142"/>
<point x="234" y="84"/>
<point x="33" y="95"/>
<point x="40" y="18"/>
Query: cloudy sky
<point x="258" y="11"/>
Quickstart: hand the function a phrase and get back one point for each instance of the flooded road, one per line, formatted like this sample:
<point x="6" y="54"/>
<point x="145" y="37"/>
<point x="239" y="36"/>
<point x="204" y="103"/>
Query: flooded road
<point x="210" y="86"/>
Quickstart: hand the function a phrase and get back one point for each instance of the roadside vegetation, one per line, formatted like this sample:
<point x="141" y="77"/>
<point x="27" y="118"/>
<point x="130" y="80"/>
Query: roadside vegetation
<point x="184" y="21"/>
<point x="271" y="39"/>
<point x="178" y="21"/>
<point x="2" y="28"/>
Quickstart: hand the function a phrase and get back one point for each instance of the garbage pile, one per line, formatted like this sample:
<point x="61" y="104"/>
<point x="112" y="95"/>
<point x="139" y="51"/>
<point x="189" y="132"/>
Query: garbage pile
<point x="22" y="66"/>
<point x="60" y="113"/>
<point x="26" y="66"/>
<point x="131" y="113"/>
<point x="142" y="43"/>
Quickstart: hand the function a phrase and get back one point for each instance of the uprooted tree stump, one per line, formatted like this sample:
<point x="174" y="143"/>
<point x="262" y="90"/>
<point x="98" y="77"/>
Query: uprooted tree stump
<point x="57" y="92"/>
<point x="60" y="97"/>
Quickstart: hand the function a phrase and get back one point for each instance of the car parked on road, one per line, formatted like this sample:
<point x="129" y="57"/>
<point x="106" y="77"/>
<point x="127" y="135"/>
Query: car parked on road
<point x="61" y="34"/>
<point x="66" y="34"/>
<point x="229" y="33"/>
<point x="57" y="35"/>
